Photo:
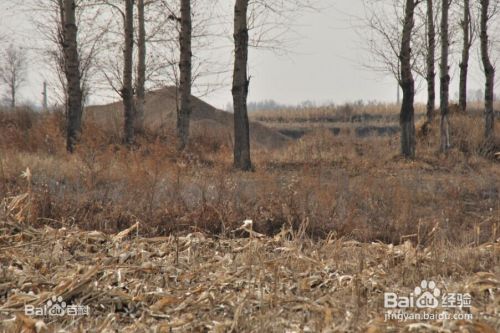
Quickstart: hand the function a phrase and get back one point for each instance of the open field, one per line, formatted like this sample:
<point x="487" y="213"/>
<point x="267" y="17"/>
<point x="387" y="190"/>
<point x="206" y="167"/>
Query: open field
<point x="192" y="283"/>
<point x="359" y="119"/>
<point x="158" y="212"/>
<point x="341" y="219"/>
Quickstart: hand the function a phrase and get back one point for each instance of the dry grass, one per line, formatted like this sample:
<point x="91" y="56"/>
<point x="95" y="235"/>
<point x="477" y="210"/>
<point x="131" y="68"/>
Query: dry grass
<point x="357" y="188"/>
<point x="320" y="201"/>
<point x="287" y="283"/>
<point x="331" y="113"/>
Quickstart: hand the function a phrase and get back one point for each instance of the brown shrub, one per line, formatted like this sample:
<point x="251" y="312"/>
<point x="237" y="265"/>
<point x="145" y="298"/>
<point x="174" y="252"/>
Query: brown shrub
<point x="321" y="184"/>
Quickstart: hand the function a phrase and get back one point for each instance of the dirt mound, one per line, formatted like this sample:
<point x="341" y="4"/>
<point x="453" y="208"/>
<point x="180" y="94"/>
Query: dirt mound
<point x="160" y="113"/>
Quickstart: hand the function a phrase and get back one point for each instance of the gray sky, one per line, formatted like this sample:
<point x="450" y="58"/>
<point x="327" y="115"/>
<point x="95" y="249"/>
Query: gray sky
<point x="325" y="64"/>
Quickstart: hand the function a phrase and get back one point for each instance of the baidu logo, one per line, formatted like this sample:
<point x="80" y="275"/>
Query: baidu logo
<point x="427" y="296"/>
<point x="56" y="307"/>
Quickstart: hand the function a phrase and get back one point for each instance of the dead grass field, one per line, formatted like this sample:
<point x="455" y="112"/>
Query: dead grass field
<point x="344" y="218"/>
<point x="193" y="283"/>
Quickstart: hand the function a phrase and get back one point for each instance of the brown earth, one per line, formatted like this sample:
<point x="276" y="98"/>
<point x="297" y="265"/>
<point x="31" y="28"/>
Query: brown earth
<point x="160" y="113"/>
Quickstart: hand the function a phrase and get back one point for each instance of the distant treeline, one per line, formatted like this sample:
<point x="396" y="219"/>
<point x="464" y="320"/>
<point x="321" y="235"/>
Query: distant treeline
<point x="270" y="105"/>
<point x="476" y="95"/>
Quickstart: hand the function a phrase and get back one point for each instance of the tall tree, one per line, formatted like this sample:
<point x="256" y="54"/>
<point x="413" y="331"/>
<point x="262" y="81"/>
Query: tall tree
<point x="127" y="92"/>
<point x="48" y="17"/>
<point x="240" y="88"/>
<point x="407" y="118"/>
<point x="382" y="35"/>
<point x="184" y="109"/>
<point x="73" y="75"/>
<point x="489" y="72"/>
<point x="467" y="34"/>
<point x="444" y="77"/>
<point x="430" y="60"/>
<point x="13" y="71"/>
<point x="141" y="68"/>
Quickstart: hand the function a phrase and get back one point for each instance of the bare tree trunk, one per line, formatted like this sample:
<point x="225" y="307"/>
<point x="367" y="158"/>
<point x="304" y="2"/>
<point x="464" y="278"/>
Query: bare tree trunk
<point x="61" y="64"/>
<point x="431" y="57"/>
<point x="444" y="78"/>
<point x="240" y="88"/>
<point x="45" y="96"/>
<point x="62" y="19"/>
<point x="406" y="119"/>
<point x="13" y="95"/>
<point x="141" y="69"/>
<point x="398" y="95"/>
<point x="127" y="90"/>
<point x="489" y="72"/>
<point x="464" y="63"/>
<point x="72" y="71"/>
<point x="184" y="110"/>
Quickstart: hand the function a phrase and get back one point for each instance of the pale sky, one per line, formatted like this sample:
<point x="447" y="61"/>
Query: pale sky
<point x="325" y="64"/>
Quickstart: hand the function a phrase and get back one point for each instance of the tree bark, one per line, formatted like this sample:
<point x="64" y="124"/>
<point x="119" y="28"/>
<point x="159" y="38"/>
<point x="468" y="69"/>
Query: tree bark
<point x="431" y="58"/>
<point x="45" y="97"/>
<point x="398" y="96"/>
<point x="127" y="90"/>
<point x="13" y="95"/>
<point x="464" y="63"/>
<point x="406" y="119"/>
<point x="489" y="72"/>
<point x="240" y="88"/>
<point x="184" y="110"/>
<point x="141" y="69"/>
<point x="444" y="78"/>
<point x="72" y="72"/>
<point x="62" y="66"/>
